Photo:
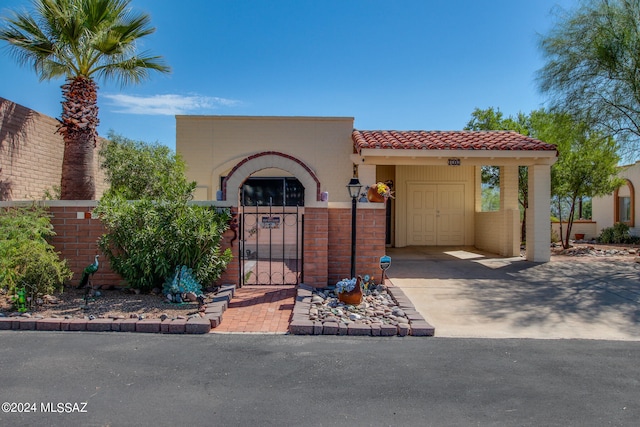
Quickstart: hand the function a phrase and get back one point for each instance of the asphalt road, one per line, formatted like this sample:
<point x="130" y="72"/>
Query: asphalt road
<point x="261" y="380"/>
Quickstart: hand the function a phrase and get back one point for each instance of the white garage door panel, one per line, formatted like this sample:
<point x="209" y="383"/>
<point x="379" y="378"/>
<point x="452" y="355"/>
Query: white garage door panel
<point x="435" y="214"/>
<point x="422" y="214"/>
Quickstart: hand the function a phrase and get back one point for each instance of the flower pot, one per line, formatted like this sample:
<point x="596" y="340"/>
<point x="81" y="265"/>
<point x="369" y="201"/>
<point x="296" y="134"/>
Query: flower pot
<point x="373" y="196"/>
<point x="353" y="297"/>
<point x="579" y="236"/>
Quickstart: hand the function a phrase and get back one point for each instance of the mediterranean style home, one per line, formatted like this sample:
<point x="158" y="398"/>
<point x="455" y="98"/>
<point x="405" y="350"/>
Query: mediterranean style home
<point x="284" y="180"/>
<point x="257" y="163"/>
<point x="622" y="205"/>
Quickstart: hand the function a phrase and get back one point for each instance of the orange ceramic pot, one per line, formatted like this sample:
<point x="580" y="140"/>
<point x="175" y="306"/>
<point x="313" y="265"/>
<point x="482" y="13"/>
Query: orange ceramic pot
<point x="353" y="297"/>
<point x="373" y="196"/>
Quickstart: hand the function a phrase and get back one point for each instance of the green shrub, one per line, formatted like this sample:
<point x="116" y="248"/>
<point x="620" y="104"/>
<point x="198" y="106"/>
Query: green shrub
<point x="619" y="233"/>
<point x="147" y="240"/>
<point x="26" y="257"/>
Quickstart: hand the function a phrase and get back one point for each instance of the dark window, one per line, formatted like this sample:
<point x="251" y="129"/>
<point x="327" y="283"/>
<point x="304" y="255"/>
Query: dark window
<point x="272" y="191"/>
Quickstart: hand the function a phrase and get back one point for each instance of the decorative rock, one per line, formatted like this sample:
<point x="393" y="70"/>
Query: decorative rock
<point x="191" y="297"/>
<point x="50" y="299"/>
<point x="133" y="316"/>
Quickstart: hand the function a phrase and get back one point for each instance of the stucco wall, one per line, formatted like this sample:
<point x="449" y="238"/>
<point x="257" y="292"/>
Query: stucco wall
<point x="213" y="145"/>
<point x="31" y="154"/>
<point x="590" y="229"/>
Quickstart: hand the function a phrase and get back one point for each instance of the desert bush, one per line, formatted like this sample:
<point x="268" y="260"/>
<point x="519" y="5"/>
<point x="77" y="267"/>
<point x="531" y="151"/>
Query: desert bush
<point x="27" y="259"/>
<point x="146" y="240"/>
<point x="619" y="233"/>
<point x="151" y="226"/>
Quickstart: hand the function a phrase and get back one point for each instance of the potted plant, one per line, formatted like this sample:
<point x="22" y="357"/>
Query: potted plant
<point x="379" y="192"/>
<point x="349" y="291"/>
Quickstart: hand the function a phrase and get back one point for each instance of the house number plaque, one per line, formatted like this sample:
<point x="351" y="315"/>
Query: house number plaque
<point x="454" y="162"/>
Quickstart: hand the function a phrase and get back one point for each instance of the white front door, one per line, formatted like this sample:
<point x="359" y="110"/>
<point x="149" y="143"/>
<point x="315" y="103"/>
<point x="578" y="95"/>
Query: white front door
<point x="435" y="214"/>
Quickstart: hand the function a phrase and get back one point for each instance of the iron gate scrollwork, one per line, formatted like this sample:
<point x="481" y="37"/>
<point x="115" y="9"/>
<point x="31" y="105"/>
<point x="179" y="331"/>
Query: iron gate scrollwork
<point x="271" y="242"/>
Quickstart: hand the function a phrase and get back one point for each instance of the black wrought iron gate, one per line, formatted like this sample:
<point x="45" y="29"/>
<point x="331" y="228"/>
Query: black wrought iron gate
<point x="271" y="242"/>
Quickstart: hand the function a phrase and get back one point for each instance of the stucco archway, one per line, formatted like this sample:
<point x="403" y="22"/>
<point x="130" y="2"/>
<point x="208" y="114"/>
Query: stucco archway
<point x="265" y="160"/>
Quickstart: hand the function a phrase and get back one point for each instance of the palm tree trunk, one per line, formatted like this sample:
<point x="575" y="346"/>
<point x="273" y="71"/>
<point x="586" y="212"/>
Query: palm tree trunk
<point x="78" y="127"/>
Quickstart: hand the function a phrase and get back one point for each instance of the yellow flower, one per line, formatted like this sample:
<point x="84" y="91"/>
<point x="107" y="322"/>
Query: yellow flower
<point x="383" y="189"/>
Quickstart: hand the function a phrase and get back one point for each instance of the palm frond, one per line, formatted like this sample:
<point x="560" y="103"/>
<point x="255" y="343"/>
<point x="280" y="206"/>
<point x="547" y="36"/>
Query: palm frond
<point x="133" y="69"/>
<point x="82" y="38"/>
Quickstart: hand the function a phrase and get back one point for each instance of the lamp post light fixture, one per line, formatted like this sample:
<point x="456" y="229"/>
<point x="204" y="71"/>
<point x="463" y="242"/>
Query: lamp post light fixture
<point x="354" y="188"/>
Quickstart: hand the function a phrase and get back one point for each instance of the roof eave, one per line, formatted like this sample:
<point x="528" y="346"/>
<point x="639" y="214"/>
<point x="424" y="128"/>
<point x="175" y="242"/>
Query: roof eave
<point x="441" y="157"/>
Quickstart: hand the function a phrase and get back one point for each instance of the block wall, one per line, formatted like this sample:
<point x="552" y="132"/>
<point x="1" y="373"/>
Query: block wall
<point x="31" y="153"/>
<point x="498" y="232"/>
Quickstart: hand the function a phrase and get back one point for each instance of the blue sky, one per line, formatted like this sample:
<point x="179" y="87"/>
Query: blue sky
<point x="402" y="65"/>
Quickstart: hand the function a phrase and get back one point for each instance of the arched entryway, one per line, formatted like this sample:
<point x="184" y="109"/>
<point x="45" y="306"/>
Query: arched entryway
<point x="271" y="190"/>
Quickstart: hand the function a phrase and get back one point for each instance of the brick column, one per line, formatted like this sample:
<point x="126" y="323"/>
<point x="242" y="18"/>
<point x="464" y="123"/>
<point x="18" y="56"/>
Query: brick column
<point x="370" y="242"/>
<point x="231" y="240"/>
<point x="316" y="246"/>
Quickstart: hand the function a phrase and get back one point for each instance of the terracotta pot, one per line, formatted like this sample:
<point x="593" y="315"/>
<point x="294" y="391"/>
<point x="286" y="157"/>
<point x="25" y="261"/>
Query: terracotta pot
<point x="353" y="297"/>
<point x="579" y="236"/>
<point x="373" y="196"/>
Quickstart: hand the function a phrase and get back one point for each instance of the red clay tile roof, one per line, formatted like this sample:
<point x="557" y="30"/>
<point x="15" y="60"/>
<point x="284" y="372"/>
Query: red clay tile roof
<point x="446" y="140"/>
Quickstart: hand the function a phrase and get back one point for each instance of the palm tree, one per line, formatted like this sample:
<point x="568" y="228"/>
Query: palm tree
<point x="81" y="40"/>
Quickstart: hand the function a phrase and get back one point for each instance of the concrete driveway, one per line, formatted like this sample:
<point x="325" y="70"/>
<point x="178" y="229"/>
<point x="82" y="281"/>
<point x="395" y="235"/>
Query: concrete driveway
<point x="464" y="292"/>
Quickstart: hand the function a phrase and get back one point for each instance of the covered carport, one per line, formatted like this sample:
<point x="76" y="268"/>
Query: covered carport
<point x="436" y="177"/>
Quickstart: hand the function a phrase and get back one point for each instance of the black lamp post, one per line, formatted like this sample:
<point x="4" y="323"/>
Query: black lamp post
<point x="354" y="188"/>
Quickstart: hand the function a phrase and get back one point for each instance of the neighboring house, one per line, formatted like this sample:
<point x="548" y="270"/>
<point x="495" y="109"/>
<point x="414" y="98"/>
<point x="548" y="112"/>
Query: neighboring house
<point x="622" y="205"/>
<point x="435" y="177"/>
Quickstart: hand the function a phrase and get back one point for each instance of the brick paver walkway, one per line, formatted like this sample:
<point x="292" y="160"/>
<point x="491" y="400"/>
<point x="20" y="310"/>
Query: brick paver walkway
<point x="265" y="309"/>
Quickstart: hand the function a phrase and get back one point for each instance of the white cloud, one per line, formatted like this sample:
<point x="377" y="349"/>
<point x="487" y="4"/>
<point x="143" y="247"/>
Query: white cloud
<point x="166" y="105"/>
